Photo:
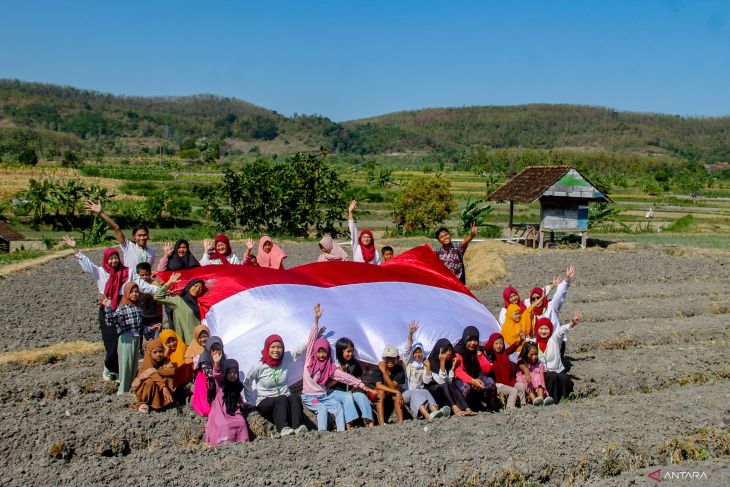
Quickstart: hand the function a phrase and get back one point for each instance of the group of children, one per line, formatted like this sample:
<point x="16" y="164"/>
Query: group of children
<point x="184" y="363"/>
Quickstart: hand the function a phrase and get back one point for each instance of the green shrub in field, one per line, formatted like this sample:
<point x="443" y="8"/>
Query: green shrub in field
<point x="681" y="224"/>
<point x="490" y="231"/>
<point x="285" y="198"/>
<point x="424" y="203"/>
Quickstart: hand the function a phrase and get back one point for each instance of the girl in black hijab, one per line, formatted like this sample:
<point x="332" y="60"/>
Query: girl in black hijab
<point x="438" y="378"/>
<point x="471" y="372"/>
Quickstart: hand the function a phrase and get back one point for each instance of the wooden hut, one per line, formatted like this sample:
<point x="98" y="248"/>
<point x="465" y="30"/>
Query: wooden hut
<point x="564" y="194"/>
<point x="8" y="234"/>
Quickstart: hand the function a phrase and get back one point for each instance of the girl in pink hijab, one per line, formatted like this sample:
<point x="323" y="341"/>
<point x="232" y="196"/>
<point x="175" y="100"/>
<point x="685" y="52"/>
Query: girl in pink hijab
<point x="270" y="255"/>
<point x="331" y="250"/>
<point x="319" y="369"/>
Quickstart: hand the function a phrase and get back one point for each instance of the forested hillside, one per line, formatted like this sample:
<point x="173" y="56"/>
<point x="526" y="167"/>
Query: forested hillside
<point x="48" y="121"/>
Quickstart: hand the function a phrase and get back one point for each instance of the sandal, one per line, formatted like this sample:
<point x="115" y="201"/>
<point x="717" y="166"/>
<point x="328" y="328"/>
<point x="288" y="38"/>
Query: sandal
<point x="143" y="408"/>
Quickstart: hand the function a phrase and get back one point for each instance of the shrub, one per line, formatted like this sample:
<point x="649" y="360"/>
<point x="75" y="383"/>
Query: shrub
<point x="473" y="213"/>
<point x="681" y="224"/>
<point x="28" y="157"/>
<point x="277" y="197"/>
<point x="424" y="203"/>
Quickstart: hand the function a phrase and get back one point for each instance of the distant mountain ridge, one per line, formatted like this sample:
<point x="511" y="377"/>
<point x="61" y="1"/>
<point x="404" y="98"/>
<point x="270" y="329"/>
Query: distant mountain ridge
<point x="50" y="119"/>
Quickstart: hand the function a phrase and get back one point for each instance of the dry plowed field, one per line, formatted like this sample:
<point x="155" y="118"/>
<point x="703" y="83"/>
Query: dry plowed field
<point x="650" y="363"/>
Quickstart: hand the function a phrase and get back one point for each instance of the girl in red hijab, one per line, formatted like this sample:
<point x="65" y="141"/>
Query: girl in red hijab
<point x="218" y="252"/>
<point x="363" y="243"/>
<point x="110" y="278"/>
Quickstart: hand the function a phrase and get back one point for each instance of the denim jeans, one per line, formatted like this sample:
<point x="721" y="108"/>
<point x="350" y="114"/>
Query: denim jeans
<point x="321" y="406"/>
<point x="349" y="400"/>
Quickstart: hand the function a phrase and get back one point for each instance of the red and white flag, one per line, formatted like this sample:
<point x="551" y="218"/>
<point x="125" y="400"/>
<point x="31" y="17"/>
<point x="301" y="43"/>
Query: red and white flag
<point x="371" y="305"/>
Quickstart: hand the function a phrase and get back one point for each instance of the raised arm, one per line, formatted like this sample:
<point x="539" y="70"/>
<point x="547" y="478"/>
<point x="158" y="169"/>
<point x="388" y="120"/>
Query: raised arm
<point x="562" y="291"/>
<point x="161" y="294"/>
<point x="167" y="250"/>
<point x="412" y="329"/>
<point x="96" y="208"/>
<point x="577" y="317"/>
<point x="86" y="265"/>
<point x="314" y="332"/>
<point x="472" y="233"/>
<point x="351" y="224"/>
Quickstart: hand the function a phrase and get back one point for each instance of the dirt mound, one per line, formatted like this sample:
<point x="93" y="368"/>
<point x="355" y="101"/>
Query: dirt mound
<point x="485" y="262"/>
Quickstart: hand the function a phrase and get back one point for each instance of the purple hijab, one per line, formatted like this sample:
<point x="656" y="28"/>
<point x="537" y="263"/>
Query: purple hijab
<point x="326" y="368"/>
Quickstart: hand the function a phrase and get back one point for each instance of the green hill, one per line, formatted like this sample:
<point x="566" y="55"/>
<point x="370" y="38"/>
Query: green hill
<point x="548" y="127"/>
<point x="49" y="120"/>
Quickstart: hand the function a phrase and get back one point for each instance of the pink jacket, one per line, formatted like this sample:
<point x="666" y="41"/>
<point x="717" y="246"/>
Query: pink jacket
<point x="310" y="386"/>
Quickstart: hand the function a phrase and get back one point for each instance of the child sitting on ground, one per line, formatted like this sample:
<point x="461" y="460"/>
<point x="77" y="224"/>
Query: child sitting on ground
<point x="416" y="396"/>
<point x="352" y="400"/>
<point x="204" y="385"/>
<point x="388" y="380"/>
<point x="226" y="423"/>
<point x="319" y="369"/>
<point x="201" y="333"/>
<point x="532" y="374"/>
<point x="175" y="352"/>
<point x="503" y="368"/>
<point x="153" y="384"/>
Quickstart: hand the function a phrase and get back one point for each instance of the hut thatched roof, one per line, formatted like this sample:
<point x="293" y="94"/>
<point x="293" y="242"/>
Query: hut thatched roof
<point x="9" y="233"/>
<point x="533" y="182"/>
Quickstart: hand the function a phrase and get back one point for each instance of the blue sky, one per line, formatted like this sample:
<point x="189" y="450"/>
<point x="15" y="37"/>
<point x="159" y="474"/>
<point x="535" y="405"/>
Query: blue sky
<point x="355" y="59"/>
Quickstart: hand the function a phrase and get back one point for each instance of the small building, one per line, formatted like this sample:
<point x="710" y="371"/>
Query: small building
<point x="8" y="234"/>
<point x="564" y="194"/>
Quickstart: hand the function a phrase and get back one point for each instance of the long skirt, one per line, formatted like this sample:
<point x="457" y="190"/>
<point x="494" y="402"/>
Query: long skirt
<point x="150" y="393"/>
<point x="480" y="399"/>
<point x="559" y="385"/>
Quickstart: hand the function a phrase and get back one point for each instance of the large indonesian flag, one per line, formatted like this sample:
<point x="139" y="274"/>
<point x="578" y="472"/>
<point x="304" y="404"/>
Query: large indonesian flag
<point x="371" y="305"/>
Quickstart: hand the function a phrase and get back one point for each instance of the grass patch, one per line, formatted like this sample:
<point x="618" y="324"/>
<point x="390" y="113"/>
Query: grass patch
<point x="681" y="224"/>
<point x="54" y="353"/>
<point x="698" y="446"/>
<point x="19" y="255"/>
<point x="129" y="172"/>
<point x="706" y="241"/>
<point x="620" y="459"/>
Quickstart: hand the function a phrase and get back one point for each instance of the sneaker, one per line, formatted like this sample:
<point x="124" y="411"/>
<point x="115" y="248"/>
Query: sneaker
<point x="538" y="401"/>
<point x="548" y="401"/>
<point x="286" y="431"/>
<point x="275" y="435"/>
<point x="434" y="414"/>
<point x="301" y="429"/>
<point x="445" y="411"/>
<point x="106" y="375"/>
